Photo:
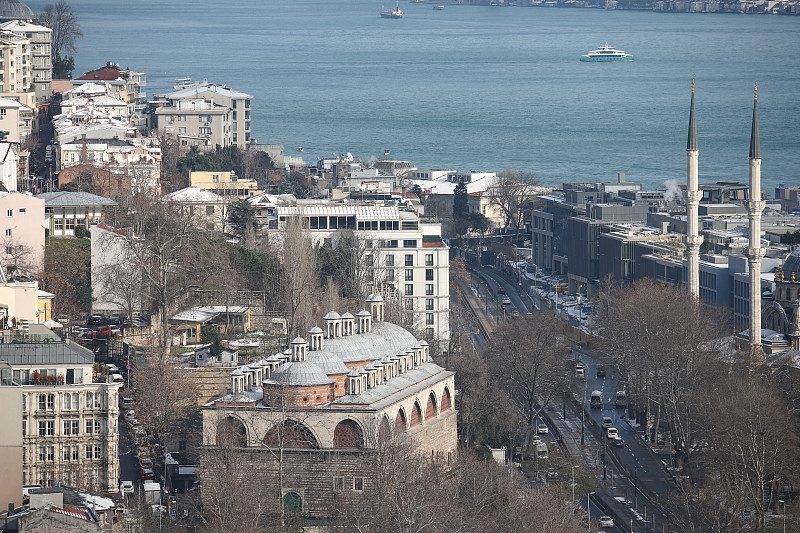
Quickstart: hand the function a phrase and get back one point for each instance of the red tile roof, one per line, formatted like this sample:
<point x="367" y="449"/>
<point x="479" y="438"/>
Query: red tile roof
<point x="104" y="73"/>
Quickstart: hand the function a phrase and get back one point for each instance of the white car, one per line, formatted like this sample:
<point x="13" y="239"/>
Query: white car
<point x="605" y="521"/>
<point x="612" y="433"/>
<point x="126" y="487"/>
<point x="542" y="428"/>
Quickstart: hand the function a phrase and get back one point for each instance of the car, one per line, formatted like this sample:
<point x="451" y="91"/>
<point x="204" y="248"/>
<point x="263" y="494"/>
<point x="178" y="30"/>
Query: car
<point x="103" y="332"/>
<point x="601" y="372"/>
<point x="127" y="402"/>
<point x="542" y="428"/>
<point x="552" y="473"/>
<point x="126" y="487"/>
<point x="618" y="441"/>
<point x="605" y="422"/>
<point x="95" y="320"/>
<point x="506" y="301"/>
<point x="605" y="521"/>
<point x="147" y="474"/>
<point x="114" y="319"/>
<point x="130" y="413"/>
<point x="514" y="313"/>
<point x="612" y="433"/>
<point x="501" y="290"/>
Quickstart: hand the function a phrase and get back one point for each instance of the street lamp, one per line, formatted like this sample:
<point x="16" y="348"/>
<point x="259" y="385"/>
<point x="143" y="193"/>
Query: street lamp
<point x="583" y="406"/>
<point x="784" y="515"/>
<point x="573" y="488"/>
<point x="589" y="510"/>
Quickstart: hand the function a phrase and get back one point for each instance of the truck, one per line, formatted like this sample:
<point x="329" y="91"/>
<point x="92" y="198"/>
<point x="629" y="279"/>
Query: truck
<point x="596" y="399"/>
<point x="152" y="492"/>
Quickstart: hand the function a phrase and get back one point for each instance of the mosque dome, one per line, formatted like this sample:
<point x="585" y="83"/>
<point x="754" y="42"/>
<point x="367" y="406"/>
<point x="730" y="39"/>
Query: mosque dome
<point x="327" y="362"/>
<point x="299" y="373"/>
<point x="792" y="266"/>
<point x="14" y="9"/>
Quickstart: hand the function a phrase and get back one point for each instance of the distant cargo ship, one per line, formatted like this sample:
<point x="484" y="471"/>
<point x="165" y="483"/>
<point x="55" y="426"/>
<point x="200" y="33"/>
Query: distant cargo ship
<point x="607" y="53"/>
<point x="395" y="13"/>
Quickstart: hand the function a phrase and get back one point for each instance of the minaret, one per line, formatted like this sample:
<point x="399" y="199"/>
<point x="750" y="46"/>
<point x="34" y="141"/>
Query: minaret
<point x="754" y="251"/>
<point x="693" y="239"/>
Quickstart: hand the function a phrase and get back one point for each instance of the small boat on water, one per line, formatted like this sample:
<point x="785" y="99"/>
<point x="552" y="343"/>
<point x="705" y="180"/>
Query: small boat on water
<point x="395" y="13"/>
<point x="438" y="8"/>
<point x="607" y="53"/>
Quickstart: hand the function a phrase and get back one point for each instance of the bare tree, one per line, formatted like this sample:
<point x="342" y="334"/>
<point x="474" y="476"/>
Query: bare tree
<point x="512" y="194"/>
<point x="299" y="276"/>
<point x="531" y="372"/>
<point x="66" y="31"/>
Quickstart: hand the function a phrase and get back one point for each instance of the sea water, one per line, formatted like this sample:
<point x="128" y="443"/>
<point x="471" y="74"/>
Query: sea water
<point x="478" y="88"/>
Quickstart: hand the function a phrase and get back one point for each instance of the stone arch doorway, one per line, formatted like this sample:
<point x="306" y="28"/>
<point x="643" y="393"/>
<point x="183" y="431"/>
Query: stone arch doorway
<point x="231" y="433"/>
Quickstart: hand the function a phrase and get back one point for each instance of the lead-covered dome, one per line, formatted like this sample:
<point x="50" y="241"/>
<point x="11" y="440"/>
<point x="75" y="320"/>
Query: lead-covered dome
<point x="298" y="373"/>
<point x="792" y="265"/>
<point x="15" y="10"/>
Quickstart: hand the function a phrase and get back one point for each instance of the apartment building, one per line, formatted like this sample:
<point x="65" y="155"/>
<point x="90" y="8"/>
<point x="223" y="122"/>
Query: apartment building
<point x="225" y="184"/>
<point x="40" y="38"/>
<point x="195" y="122"/>
<point x="237" y="102"/>
<point x="22" y="232"/>
<point x="124" y="83"/>
<point x="68" y="418"/>
<point x="404" y="257"/>
<point x="15" y="69"/>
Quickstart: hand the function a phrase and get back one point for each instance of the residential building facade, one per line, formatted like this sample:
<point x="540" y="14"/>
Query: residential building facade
<point x="22" y="224"/>
<point x="68" y="419"/>
<point x="225" y="184"/>
<point x="40" y="38"/>
<point x="65" y="211"/>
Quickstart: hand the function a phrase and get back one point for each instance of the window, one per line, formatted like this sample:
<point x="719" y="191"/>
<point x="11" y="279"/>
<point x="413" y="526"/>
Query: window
<point x="92" y="425"/>
<point x="209" y="210"/>
<point x="43" y="453"/>
<point x="92" y="452"/>
<point x="10" y="211"/>
<point x="370" y="260"/>
<point x="42" y="401"/>
<point x="2" y="112"/>
<point x="71" y="427"/>
<point x="409" y="305"/>
<point x="182" y="130"/>
<point x="97" y="452"/>
<point x="42" y="428"/>
<point x="51" y="401"/>
<point x="204" y="131"/>
<point x="428" y="260"/>
<point x="409" y="243"/>
<point x="205" y="118"/>
<point x="338" y="483"/>
<point x="429" y="318"/>
<point x="390" y="275"/>
<point x="51" y="428"/>
<point x="429" y="289"/>
<point x="428" y="274"/>
<point x="24" y="428"/>
<point x="8" y="232"/>
<point x="58" y="224"/>
<point x="358" y="484"/>
<point x="409" y="289"/>
<point x="9" y="250"/>
<point x="390" y="260"/>
<point x="429" y="304"/>
<point x="409" y="274"/>
<point x="70" y="224"/>
<point x="182" y="118"/>
<point x="409" y="260"/>
<point x="24" y="401"/>
<point x="429" y="332"/>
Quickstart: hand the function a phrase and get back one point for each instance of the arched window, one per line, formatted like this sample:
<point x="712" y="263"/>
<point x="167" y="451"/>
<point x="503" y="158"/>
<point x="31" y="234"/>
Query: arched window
<point x="348" y="435"/>
<point x="430" y="409"/>
<point x="400" y="422"/>
<point x="292" y="504"/>
<point x="445" y="401"/>
<point x="231" y="433"/>
<point x="416" y="415"/>
<point x="385" y="430"/>
<point x="290" y="434"/>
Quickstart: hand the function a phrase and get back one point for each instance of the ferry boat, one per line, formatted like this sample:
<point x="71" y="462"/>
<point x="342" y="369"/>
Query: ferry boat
<point x="395" y="13"/>
<point x="607" y="53"/>
<point x="438" y="7"/>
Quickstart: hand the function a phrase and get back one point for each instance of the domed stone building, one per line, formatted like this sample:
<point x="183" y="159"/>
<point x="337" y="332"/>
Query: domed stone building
<point x="783" y="314"/>
<point x="15" y="10"/>
<point x="327" y="402"/>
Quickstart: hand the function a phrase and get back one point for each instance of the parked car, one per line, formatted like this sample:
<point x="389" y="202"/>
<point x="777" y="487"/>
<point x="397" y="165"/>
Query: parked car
<point x="127" y="402"/>
<point x="542" y="428"/>
<point x="147" y="474"/>
<point x="114" y="319"/>
<point x="605" y="521"/>
<point x="612" y="433"/>
<point x="95" y="320"/>
<point x="103" y="332"/>
<point x="126" y="487"/>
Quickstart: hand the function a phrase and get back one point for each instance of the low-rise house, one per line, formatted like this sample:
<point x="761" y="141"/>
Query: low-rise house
<point x="206" y="209"/>
<point x="124" y="83"/>
<point x="67" y="210"/>
<point x="188" y="324"/>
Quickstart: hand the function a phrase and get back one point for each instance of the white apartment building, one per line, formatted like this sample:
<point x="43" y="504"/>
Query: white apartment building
<point x="195" y="122"/>
<point x="237" y="102"/>
<point x="15" y="69"/>
<point x="123" y="83"/>
<point x="40" y="38"/>
<point x="404" y="257"/>
<point x="68" y="418"/>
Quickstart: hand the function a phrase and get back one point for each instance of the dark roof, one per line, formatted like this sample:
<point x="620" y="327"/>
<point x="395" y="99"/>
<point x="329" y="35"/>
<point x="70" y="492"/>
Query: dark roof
<point x="73" y="198"/>
<point x="792" y="265"/>
<point x="46" y="353"/>
<point x="14" y="9"/>
<point x="105" y="73"/>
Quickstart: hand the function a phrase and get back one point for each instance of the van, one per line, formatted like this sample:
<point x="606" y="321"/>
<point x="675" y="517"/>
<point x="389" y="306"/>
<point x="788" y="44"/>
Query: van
<point x="596" y="399"/>
<point x="621" y="399"/>
<point x="605" y="422"/>
<point x="580" y="372"/>
<point x="541" y="450"/>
